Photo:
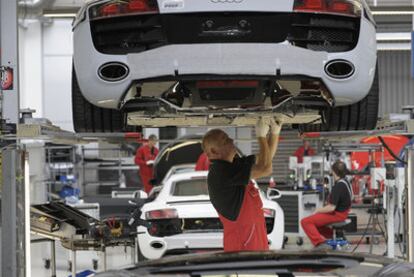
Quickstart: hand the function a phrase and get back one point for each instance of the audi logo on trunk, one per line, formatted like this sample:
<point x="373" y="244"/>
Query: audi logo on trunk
<point x="226" y="1"/>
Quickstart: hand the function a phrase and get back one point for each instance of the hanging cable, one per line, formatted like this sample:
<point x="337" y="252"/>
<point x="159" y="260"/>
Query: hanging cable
<point x="390" y="151"/>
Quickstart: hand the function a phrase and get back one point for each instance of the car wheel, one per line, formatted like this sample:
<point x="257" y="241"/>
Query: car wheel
<point x="362" y="115"/>
<point x="92" y="119"/>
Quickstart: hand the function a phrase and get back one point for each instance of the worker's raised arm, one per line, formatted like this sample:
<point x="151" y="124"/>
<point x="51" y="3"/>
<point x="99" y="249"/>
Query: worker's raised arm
<point x="263" y="165"/>
<point x="275" y="128"/>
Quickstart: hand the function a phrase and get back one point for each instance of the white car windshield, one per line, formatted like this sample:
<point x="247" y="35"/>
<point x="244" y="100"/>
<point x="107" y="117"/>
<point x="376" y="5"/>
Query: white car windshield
<point x="191" y="187"/>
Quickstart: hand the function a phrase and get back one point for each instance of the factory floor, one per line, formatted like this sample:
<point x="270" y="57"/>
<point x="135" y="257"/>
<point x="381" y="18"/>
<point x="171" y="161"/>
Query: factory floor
<point x="119" y="257"/>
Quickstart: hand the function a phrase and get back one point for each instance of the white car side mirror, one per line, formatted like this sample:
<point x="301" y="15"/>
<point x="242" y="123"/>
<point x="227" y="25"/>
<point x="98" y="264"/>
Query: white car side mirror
<point x="273" y="193"/>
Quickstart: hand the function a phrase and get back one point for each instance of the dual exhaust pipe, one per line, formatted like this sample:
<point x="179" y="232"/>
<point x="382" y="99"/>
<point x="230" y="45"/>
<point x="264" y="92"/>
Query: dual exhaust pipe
<point x="339" y="69"/>
<point x="113" y="71"/>
<point x="116" y="71"/>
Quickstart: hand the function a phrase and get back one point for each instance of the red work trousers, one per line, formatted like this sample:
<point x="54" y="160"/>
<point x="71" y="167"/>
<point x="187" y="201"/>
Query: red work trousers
<point x="248" y="232"/>
<point x="315" y="225"/>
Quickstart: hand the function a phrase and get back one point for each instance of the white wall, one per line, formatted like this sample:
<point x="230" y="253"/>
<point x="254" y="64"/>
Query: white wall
<point x="45" y="70"/>
<point x="30" y="54"/>
<point x="57" y="63"/>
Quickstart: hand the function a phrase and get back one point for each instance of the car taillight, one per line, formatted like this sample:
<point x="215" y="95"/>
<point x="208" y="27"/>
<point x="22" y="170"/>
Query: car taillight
<point x="269" y="212"/>
<point x="344" y="7"/>
<point x="125" y="7"/>
<point x="161" y="214"/>
<point x="227" y="84"/>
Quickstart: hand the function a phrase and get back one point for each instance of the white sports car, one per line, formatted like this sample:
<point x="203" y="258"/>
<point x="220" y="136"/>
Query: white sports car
<point x="183" y="220"/>
<point x="223" y="62"/>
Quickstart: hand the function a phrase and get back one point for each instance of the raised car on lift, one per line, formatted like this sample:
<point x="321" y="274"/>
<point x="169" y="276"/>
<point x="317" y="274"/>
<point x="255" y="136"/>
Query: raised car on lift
<point x="209" y="62"/>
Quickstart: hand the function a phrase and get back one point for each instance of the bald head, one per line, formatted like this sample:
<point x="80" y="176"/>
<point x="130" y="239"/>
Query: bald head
<point x="218" y="145"/>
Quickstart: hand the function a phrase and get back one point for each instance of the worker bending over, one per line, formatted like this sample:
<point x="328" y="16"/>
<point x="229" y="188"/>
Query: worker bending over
<point x="234" y="197"/>
<point x="337" y="209"/>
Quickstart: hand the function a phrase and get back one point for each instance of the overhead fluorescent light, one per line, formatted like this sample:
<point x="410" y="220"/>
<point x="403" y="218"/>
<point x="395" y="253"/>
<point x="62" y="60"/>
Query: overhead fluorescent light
<point x="392" y="12"/>
<point x="394" y="37"/>
<point x="60" y="15"/>
<point x="389" y="46"/>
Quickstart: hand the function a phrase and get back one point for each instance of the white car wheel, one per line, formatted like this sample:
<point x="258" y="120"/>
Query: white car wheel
<point x="90" y="118"/>
<point x="362" y="115"/>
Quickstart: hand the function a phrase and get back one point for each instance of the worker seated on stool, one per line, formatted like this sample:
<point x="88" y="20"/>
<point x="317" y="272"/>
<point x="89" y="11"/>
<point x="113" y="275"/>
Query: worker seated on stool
<point x="337" y="209"/>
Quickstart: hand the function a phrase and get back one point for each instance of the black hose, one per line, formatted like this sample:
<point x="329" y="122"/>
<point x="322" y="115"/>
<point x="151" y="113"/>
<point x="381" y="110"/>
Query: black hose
<point x="390" y="151"/>
<point x="364" y="233"/>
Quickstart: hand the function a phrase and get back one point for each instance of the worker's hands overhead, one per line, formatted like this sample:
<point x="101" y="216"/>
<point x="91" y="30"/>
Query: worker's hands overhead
<point x="262" y="127"/>
<point x="275" y="126"/>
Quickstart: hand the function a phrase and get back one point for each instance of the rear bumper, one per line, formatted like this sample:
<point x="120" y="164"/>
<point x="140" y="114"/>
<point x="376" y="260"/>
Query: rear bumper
<point x="197" y="241"/>
<point x="256" y="59"/>
<point x="178" y="242"/>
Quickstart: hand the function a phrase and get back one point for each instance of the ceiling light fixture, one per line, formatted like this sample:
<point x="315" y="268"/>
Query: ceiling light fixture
<point x="393" y="12"/>
<point x="60" y="15"/>
<point x="394" y="37"/>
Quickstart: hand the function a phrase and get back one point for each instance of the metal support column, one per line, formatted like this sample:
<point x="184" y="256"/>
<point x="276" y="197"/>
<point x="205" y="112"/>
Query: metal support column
<point x="53" y="257"/>
<point x="104" y="259"/>
<point x="410" y="203"/>
<point x="391" y="194"/>
<point x="73" y="263"/>
<point x="9" y="92"/>
<point x="13" y="235"/>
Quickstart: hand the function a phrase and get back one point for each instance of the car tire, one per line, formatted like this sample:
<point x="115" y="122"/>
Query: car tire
<point x="362" y="115"/>
<point x="89" y="118"/>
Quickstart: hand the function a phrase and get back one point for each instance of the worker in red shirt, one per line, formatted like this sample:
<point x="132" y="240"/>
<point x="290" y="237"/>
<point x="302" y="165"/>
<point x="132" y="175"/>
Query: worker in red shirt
<point x="235" y="198"/>
<point x="304" y="150"/>
<point x="144" y="158"/>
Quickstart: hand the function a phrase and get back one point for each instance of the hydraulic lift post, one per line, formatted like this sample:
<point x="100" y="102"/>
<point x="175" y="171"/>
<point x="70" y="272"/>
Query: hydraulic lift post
<point x="15" y="231"/>
<point x="410" y="203"/>
<point x="9" y="61"/>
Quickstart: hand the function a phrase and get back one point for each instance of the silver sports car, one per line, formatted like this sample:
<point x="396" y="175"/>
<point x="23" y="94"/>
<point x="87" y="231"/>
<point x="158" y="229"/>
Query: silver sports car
<point x="216" y="62"/>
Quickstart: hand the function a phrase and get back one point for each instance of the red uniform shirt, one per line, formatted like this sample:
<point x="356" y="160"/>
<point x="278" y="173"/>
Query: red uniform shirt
<point x="238" y="204"/>
<point x="142" y="156"/>
<point x="301" y="152"/>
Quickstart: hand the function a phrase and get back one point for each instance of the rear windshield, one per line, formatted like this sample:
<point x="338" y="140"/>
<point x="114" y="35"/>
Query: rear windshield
<point x="191" y="187"/>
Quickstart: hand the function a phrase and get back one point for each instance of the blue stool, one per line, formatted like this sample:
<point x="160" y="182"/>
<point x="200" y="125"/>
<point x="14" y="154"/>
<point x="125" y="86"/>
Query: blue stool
<point x="338" y="243"/>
